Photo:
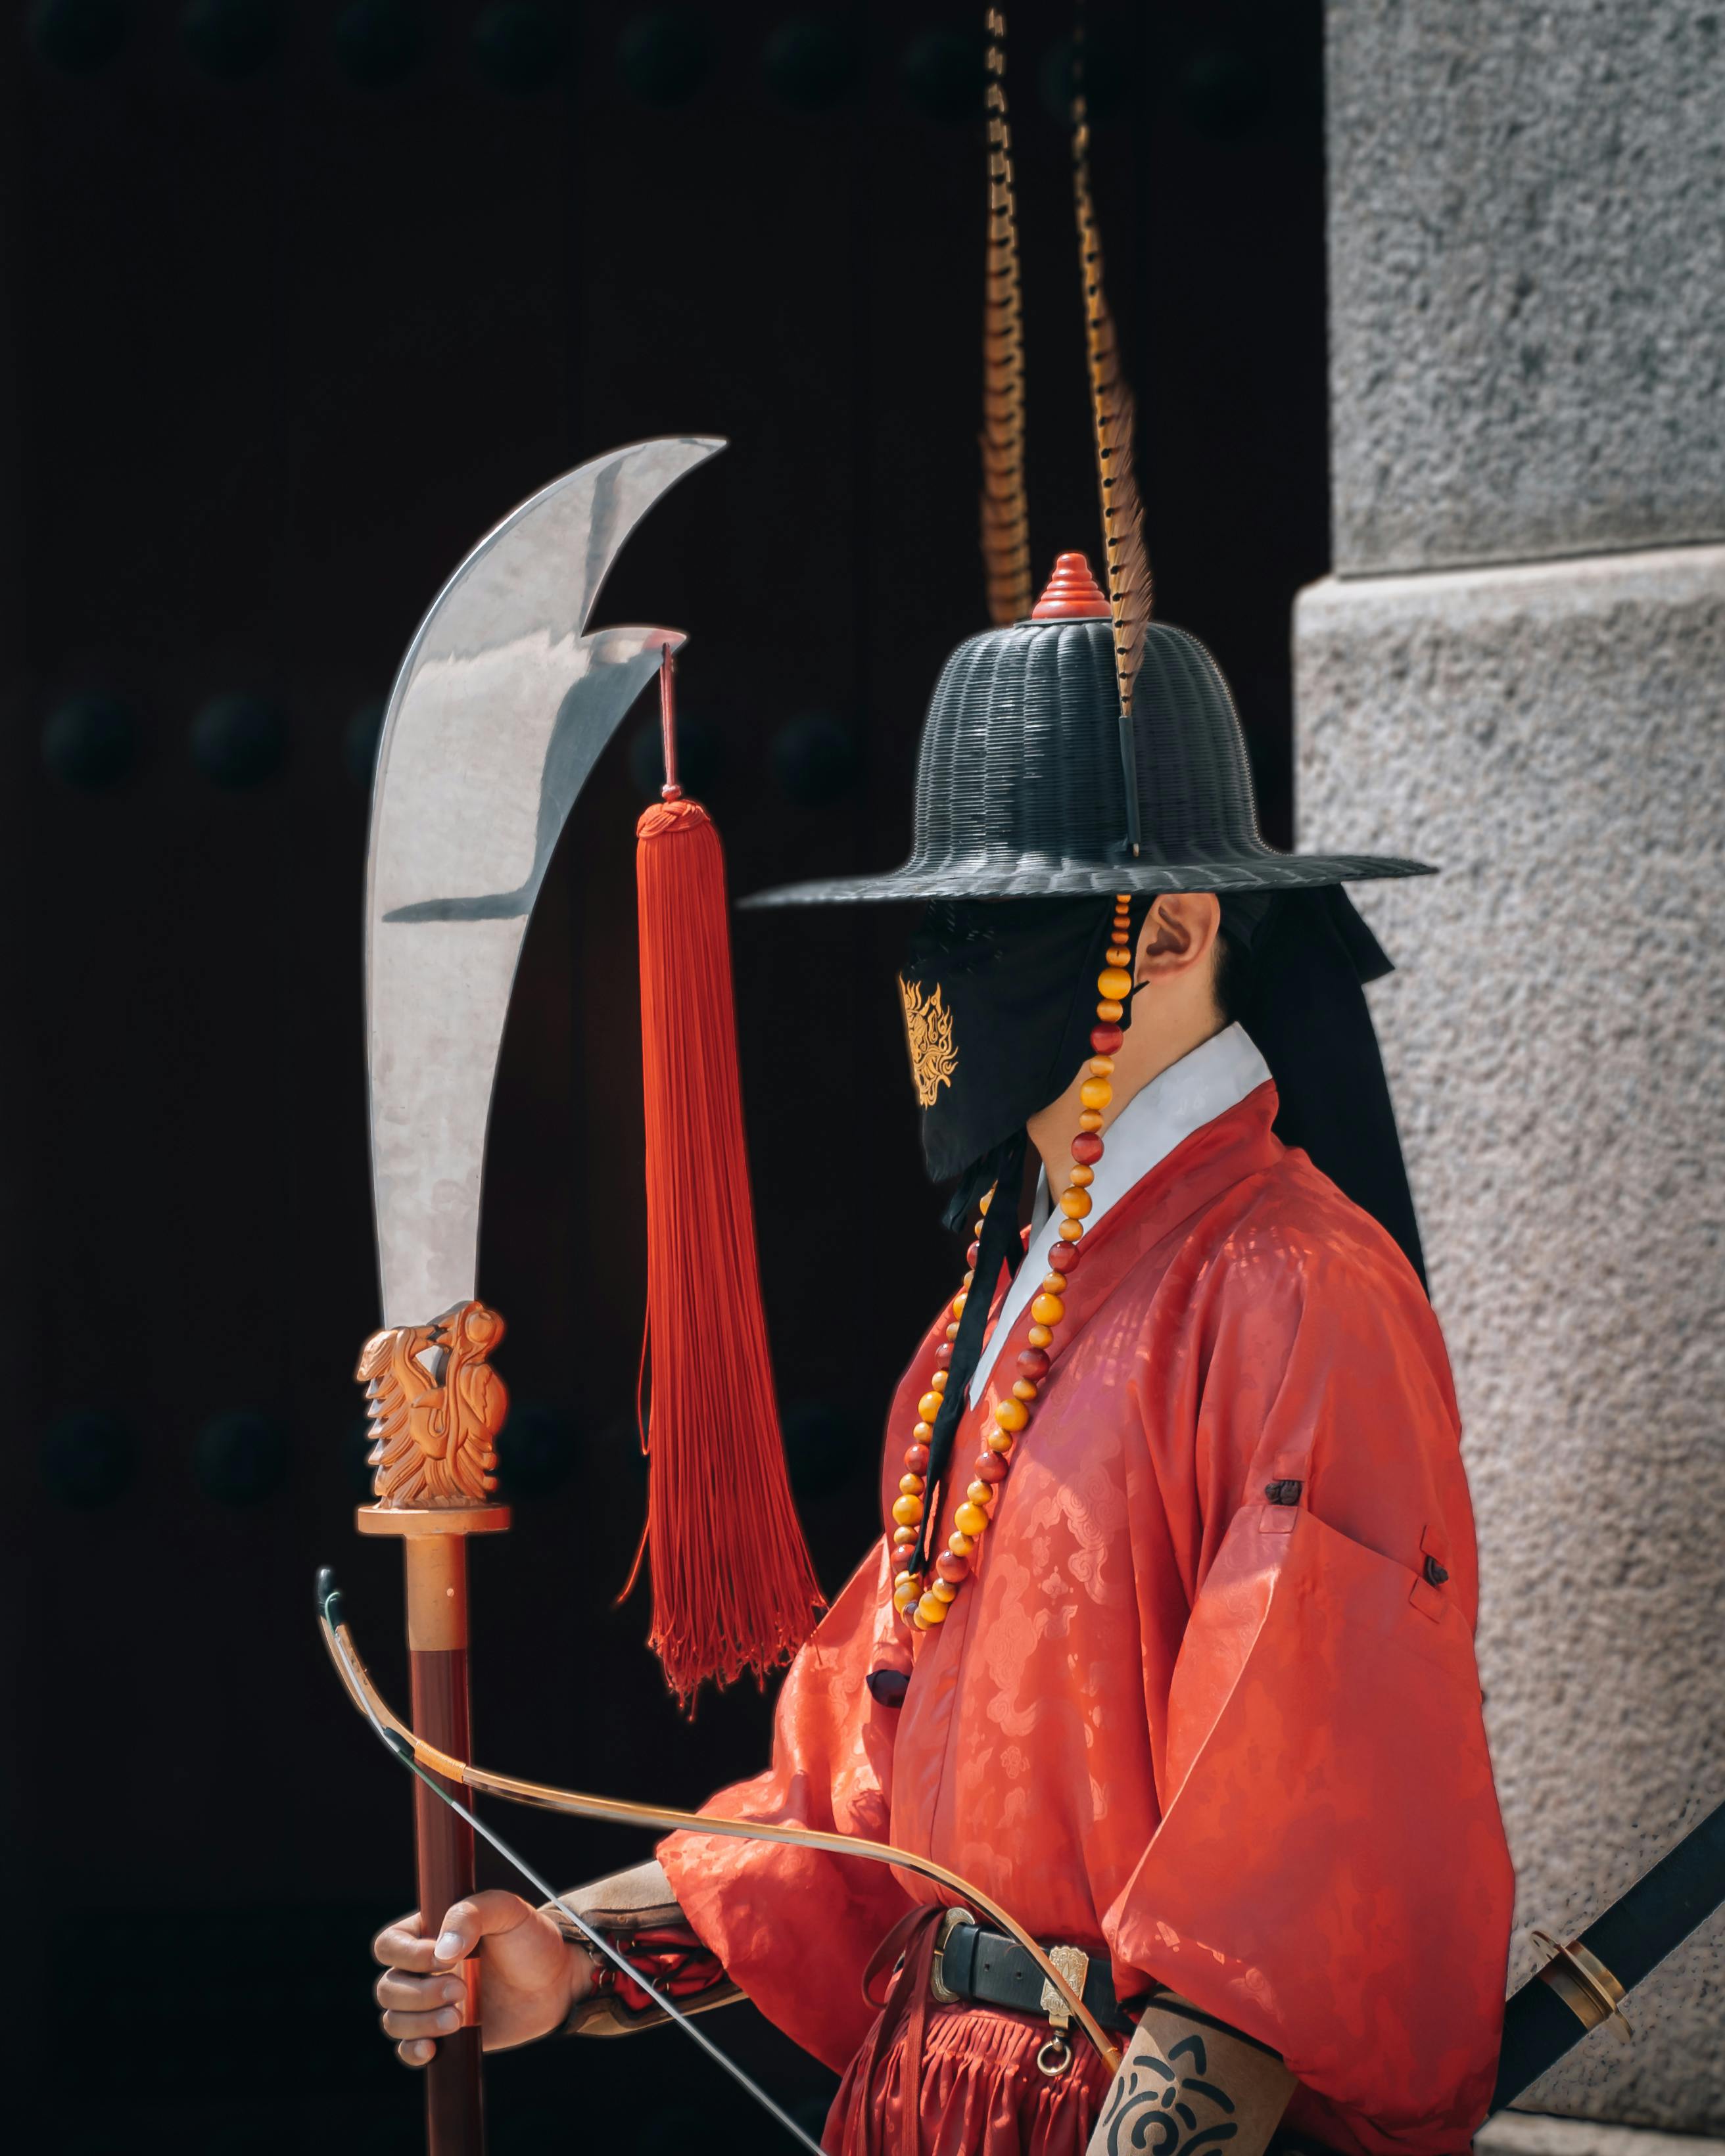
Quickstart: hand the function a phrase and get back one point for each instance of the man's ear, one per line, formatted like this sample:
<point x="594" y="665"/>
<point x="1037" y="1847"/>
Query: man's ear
<point x="1179" y="932"/>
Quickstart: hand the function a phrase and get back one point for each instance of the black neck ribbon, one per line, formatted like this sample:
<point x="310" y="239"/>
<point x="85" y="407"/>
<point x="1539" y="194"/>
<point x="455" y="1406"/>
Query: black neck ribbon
<point x="997" y="1246"/>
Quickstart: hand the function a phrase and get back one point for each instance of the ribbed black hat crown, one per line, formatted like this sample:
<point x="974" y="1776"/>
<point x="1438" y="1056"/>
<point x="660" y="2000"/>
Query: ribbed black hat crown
<point x="1021" y="771"/>
<point x="1021" y="778"/>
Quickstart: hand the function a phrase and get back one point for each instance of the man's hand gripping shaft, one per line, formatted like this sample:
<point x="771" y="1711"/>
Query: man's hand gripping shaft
<point x="533" y="1977"/>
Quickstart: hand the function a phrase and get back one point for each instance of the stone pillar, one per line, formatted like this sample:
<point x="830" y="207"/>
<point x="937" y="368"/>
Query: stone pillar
<point x="1518" y="672"/>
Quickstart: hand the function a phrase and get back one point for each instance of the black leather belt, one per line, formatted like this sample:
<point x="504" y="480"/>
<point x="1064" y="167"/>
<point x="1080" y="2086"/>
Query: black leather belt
<point x="993" y="1970"/>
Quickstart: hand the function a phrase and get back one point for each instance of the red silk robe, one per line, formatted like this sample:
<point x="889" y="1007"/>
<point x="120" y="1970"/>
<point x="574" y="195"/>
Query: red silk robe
<point x="1234" y="1745"/>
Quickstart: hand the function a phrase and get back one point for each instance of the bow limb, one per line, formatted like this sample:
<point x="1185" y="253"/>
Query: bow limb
<point x="619" y="1811"/>
<point x="601" y="1946"/>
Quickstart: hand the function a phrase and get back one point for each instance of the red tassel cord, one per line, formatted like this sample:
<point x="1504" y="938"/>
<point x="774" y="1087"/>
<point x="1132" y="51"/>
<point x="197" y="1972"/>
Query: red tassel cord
<point x="733" y="1586"/>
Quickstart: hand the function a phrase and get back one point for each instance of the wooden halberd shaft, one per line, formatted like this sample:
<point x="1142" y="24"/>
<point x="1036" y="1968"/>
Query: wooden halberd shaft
<point x="443" y="1843"/>
<point x="434" y="1551"/>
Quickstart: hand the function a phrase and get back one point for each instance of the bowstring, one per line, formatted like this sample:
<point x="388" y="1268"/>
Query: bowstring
<point x="403" y="1751"/>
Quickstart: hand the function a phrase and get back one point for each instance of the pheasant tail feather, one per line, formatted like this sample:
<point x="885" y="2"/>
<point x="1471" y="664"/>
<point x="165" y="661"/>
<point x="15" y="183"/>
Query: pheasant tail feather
<point x="1005" y="514"/>
<point x="1129" y="587"/>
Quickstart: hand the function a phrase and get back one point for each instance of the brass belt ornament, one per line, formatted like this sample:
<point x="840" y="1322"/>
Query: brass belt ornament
<point x="939" y="1990"/>
<point x="1590" y="1991"/>
<point x="1073" y="1963"/>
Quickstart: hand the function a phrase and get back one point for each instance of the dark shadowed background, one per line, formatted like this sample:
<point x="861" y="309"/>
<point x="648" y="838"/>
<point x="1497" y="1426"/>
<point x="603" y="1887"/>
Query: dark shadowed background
<point x="300" y="298"/>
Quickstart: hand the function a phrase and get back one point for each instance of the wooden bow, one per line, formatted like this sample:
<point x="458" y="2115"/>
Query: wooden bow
<point x="438" y="1767"/>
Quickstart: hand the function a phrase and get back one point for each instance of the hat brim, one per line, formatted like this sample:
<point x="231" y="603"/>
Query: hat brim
<point x="988" y="877"/>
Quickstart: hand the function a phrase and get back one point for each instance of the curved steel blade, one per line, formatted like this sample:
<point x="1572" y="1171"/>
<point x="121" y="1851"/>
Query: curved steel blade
<point x="498" y="714"/>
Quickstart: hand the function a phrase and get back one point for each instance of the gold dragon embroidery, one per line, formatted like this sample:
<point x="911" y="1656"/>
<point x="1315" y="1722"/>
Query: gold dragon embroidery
<point x="435" y="1407"/>
<point x="928" y="1028"/>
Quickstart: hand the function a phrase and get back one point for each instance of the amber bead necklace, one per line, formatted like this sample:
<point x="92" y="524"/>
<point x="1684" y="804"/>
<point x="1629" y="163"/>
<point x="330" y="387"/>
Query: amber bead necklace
<point x="926" y="1606"/>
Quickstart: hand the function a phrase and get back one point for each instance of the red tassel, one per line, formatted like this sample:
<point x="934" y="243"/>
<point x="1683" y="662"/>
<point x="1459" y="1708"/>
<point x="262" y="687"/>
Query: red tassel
<point x="733" y="1586"/>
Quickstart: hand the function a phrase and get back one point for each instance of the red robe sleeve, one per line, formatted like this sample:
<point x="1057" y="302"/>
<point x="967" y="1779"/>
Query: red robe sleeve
<point x="795" y="1928"/>
<point x="1330" y="1873"/>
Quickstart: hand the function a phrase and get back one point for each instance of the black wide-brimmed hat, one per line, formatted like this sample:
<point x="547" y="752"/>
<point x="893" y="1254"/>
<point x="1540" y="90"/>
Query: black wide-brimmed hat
<point x="1025" y="763"/>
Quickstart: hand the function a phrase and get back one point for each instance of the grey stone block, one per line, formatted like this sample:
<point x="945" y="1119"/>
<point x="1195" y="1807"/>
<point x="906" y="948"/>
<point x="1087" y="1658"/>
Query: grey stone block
<point x="1527" y="278"/>
<point x="1554" y="737"/>
<point x="1521" y="2133"/>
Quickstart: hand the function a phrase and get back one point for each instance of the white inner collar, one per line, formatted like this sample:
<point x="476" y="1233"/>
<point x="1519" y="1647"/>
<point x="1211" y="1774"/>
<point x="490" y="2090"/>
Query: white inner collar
<point x="1216" y="1076"/>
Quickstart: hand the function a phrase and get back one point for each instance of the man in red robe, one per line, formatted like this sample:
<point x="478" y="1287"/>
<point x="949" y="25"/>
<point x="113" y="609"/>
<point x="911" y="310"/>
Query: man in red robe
<point x="1190" y="1688"/>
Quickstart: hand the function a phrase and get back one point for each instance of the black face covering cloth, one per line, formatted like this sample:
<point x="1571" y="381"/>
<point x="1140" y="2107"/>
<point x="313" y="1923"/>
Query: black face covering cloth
<point x="1000" y="998"/>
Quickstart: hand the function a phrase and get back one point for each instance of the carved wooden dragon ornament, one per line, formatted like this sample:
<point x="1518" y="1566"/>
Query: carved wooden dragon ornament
<point x="435" y="1407"/>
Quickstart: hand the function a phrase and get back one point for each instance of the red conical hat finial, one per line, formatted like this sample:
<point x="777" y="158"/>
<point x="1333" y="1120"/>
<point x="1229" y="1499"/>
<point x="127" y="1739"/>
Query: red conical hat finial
<point x="1073" y="594"/>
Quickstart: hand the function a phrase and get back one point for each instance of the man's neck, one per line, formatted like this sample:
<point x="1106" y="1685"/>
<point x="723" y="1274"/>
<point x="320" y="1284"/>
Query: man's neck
<point x="1155" y="1042"/>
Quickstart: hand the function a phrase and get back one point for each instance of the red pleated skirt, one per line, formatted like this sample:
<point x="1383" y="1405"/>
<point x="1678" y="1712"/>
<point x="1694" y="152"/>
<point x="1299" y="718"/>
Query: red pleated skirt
<point x="980" y="2091"/>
